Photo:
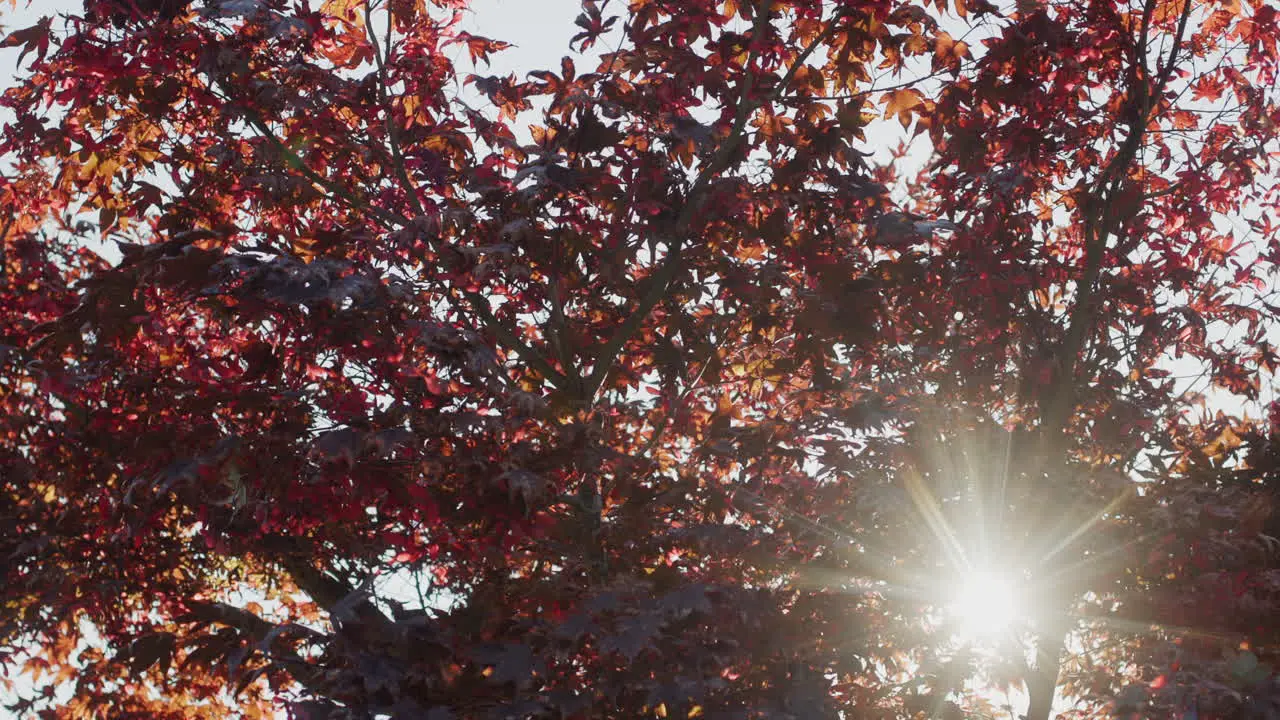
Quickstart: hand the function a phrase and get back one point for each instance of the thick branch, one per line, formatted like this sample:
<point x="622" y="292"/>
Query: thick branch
<point x="1102" y="220"/>
<point x="481" y="307"/>
<point x="295" y="556"/>
<point x="268" y="634"/>
<point x="1042" y="683"/>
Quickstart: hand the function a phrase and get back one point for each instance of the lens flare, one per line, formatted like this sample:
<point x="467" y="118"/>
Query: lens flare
<point x="985" y="604"/>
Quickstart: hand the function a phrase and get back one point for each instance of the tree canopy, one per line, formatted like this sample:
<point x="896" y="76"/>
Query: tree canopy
<point x="343" y="378"/>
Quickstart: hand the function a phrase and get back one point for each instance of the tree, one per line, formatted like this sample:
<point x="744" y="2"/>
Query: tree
<point x="340" y="379"/>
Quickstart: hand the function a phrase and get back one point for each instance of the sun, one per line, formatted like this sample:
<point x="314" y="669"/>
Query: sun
<point x="985" y="605"/>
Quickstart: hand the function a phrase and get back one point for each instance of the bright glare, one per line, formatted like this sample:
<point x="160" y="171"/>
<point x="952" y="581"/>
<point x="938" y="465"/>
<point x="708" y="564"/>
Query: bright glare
<point x="985" y="605"/>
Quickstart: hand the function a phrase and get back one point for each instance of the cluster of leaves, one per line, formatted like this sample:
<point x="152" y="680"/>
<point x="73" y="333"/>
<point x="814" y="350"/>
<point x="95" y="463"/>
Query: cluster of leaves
<point x="640" y="386"/>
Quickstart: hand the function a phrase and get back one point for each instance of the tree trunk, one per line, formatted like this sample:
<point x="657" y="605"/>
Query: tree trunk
<point x="1043" y="681"/>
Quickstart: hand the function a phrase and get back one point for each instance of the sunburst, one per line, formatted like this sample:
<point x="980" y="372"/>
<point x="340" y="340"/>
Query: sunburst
<point x="985" y="605"/>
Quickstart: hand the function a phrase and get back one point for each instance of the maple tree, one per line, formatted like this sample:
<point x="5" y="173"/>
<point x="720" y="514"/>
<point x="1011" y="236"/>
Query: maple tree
<point x="343" y="380"/>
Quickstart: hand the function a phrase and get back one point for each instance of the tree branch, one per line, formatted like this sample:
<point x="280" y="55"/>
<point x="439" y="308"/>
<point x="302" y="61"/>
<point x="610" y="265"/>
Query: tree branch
<point x="481" y="306"/>
<point x="386" y="219"/>
<point x="393" y="139"/>
<point x="295" y="556"/>
<point x="661" y="279"/>
<point x="390" y="220"/>
<point x="4" y="235"/>
<point x="1101" y="222"/>
<point x="309" y="675"/>
<point x="556" y="328"/>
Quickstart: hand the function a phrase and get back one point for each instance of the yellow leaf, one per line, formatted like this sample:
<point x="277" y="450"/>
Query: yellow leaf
<point x="304" y="247"/>
<point x="107" y="168"/>
<point x="89" y="166"/>
<point x="1227" y="441"/>
<point x="407" y="12"/>
<point x="347" y="10"/>
<point x="916" y="44"/>
<point x="411" y="105"/>
<point x="901" y="102"/>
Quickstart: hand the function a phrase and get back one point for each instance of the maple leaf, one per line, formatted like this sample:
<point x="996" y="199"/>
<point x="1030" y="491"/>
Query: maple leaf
<point x="33" y="39"/>
<point x="1208" y="88"/>
<point x="902" y="103"/>
<point x="479" y="48"/>
<point x="628" y="382"/>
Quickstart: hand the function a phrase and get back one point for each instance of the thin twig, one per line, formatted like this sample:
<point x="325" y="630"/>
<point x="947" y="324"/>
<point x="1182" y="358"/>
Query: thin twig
<point x="822" y="37"/>
<point x="4" y="235"/>
<point x="393" y="139"/>
<point x="556" y="328"/>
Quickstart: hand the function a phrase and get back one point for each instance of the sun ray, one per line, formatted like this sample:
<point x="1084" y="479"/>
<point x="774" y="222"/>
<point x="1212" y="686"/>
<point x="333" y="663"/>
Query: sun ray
<point x="982" y="497"/>
<point x="1068" y="570"/>
<point x="1003" y="499"/>
<point x="927" y="505"/>
<point x="1138" y="627"/>
<point x="1089" y="524"/>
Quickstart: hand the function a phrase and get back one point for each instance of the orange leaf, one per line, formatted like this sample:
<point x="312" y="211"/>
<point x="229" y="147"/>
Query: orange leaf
<point x="901" y="103"/>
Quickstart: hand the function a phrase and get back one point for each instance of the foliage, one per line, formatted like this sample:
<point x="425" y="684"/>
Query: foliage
<point x="341" y="379"/>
